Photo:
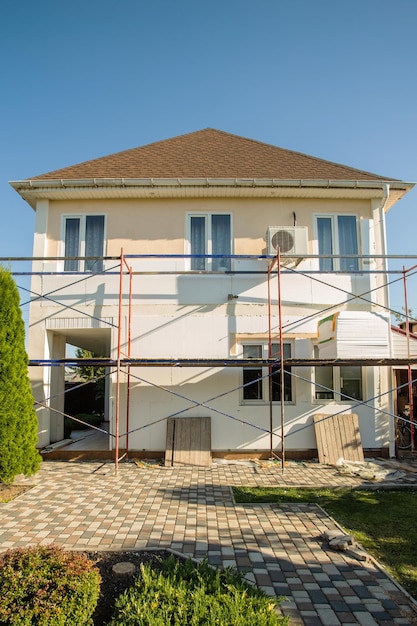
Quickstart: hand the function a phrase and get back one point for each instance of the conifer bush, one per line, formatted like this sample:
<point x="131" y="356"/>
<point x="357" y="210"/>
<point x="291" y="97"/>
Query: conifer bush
<point x="47" y="586"/>
<point x="18" y="420"/>
<point x="187" y="595"/>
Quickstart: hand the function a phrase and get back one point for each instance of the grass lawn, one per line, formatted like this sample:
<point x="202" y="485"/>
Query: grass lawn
<point x="383" y="522"/>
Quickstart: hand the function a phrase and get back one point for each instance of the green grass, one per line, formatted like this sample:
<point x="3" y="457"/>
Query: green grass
<point x="383" y="522"/>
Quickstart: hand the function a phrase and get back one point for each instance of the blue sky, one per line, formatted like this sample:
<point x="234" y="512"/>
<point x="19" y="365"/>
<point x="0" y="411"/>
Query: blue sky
<point x="332" y="78"/>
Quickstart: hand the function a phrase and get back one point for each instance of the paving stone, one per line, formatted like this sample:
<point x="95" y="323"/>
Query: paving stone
<point x="192" y="511"/>
<point x="365" y="619"/>
<point x="328" y="617"/>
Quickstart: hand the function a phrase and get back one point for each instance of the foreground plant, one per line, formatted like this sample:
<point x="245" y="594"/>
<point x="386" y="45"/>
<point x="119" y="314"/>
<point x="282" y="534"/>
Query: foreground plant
<point x="47" y="586"/>
<point x="187" y="595"/>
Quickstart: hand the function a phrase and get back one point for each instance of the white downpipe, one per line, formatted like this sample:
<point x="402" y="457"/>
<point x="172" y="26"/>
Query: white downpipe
<point x="382" y="236"/>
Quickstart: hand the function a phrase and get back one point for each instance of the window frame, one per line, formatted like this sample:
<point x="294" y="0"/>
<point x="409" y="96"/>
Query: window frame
<point x="337" y="376"/>
<point x="264" y="374"/>
<point x="208" y="239"/>
<point x="337" y="263"/>
<point x="82" y="217"/>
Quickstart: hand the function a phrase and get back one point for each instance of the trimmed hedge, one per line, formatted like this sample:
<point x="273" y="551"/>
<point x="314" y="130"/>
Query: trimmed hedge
<point x="47" y="586"/>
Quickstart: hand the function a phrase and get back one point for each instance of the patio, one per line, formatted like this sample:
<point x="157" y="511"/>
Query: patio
<point x="87" y="506"/>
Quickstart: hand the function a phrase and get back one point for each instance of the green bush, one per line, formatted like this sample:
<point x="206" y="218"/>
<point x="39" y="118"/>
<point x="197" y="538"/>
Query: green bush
<point x="18" y="420"/>
<point x="187" y="595"/>
<point x="47" y="586"/>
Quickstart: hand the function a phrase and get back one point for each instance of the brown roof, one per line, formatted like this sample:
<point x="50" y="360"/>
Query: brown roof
<point x="210" y="153"/>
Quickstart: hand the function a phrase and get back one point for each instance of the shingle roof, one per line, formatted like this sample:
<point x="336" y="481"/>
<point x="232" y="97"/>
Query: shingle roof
<point x="210" y="153"/>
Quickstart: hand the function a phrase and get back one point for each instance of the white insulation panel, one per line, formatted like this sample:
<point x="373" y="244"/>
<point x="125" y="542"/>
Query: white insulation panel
<point x="353" y="334"/>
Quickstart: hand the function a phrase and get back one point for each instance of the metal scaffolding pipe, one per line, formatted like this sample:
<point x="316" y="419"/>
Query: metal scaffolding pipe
<point x="271" y="428"/>
<point x="196" y="362"/>
<point x="409" y="372"/>
<point x="281" y="358"/>
<point x="129" y="344"/>
<point x="118" y="365"/>
<point x="271" y="363"/>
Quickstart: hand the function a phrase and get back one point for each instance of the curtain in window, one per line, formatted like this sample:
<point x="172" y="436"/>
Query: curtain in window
<point x="348" y="241"/>
<point x="72" y="243"/>
<point x="94" y="242"/>
<point x="324" y="229"/>
<point x="198" y="242"/>
<point x="220" y="235"/>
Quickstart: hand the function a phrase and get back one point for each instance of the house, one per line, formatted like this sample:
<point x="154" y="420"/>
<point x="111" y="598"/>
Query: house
<point x="207" y="269"/>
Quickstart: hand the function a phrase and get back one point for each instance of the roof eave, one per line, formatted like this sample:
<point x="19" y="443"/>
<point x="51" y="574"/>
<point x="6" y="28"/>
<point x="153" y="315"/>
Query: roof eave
<point x="32" y="190"/>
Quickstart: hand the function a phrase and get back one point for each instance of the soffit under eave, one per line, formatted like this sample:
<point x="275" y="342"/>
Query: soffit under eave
<point x="31" y="196"/>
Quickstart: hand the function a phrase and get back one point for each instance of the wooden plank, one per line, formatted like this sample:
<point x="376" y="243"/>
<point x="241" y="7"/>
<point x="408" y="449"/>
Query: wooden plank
<point x="355" y="446"/>
<point x="169" y="446"/>
<point x="188" y="442"/>
<point x="322" y="440"/>
<point x="338" y="437"/>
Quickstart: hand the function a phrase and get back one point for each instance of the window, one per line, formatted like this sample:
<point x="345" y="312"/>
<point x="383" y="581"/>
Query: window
<point x="337" y="234"/>
<point x="84" y="236"/>
<point x="252" y="377"/>
<point x="210" y="234"/>
<point x="324" y="385"/>
<point x="257" y="385"/>
<point x="351" y="382"/>
<point x="344" y="382"/>
<point x="276" y="374"/>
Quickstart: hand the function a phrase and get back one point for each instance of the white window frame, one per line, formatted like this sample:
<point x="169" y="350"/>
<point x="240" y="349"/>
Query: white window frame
<point x="265" y="374"/>
<point x="335" y="237"/>
<point x="208" y="263"/>
<point x="337" y="386"/>
<point x="81" y="244"/>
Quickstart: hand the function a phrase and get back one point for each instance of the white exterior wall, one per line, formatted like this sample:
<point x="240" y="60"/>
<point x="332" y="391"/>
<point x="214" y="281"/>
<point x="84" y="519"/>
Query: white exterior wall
<point x="183" y="315"/>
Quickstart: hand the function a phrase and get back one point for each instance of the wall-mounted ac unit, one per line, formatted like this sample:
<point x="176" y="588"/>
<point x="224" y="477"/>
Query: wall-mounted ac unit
<point x="289" y="240"/>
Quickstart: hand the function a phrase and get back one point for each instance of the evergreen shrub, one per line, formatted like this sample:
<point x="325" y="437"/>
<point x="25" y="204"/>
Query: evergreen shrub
<point x="18" y="420"/>
<point x="47" y="586"/>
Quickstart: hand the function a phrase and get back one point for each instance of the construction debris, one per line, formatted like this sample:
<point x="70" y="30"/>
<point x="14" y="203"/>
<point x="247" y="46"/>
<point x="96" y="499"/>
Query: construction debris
<point x="342" y="542"/>
<point x="369" y="470"/>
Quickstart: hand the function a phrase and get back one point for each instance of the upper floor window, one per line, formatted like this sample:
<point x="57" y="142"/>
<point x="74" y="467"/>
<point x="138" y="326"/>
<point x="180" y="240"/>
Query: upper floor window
<point x="338" y="235"/>
<point x="210" y="234"/>
<point x="257" y="384"/>
<point x="84" y="236"/>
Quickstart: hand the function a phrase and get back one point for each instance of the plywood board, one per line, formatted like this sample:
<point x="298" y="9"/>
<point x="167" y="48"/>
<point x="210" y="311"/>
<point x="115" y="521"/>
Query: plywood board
<point x="338" y="437"/>
<point x="188" y="441"/>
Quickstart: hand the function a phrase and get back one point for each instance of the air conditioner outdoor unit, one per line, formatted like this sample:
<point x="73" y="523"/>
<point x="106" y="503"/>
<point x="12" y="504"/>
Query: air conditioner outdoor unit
<point x="289" y="240"/>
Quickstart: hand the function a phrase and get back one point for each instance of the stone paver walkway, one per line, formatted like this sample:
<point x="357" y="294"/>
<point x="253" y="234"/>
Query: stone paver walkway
<point x="192" y="511"/>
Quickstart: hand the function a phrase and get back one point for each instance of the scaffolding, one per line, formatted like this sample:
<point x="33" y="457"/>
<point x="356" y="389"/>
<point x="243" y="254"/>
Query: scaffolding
<point x="276" y="267"/>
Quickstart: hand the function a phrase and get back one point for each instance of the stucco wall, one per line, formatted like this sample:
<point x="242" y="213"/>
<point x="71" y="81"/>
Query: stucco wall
<point x="178" y="315"/>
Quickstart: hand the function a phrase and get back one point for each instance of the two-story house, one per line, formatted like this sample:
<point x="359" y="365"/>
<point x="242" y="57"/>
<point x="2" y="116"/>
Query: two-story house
<point x="200" y="322"/>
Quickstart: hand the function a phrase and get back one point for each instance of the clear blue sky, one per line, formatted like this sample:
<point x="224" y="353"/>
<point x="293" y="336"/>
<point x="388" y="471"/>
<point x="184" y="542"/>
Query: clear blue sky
<point x="335" y="79"/>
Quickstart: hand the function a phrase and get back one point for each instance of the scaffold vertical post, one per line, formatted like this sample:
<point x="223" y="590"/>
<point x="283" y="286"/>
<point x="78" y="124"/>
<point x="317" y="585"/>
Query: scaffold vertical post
<point x="281" y="356"/>
<point x="119" y="340"/>
<point x="271" y="447"/>
<point x="409" y="370"/>
<point x="129" y="354"/>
